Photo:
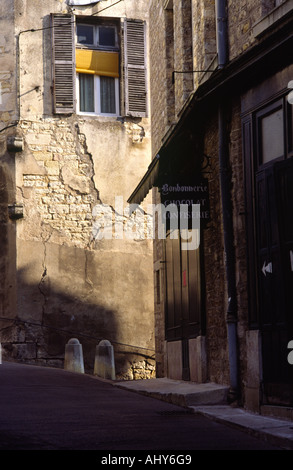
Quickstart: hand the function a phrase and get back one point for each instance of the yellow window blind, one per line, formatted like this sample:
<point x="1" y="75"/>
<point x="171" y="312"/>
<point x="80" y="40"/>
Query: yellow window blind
<point x="97" y="62"/>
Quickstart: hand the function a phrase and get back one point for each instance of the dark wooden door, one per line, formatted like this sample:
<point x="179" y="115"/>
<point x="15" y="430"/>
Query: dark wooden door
<point x="183" y="296"/>
<point x="275" y="300"/>
<point x="274" y="245"/>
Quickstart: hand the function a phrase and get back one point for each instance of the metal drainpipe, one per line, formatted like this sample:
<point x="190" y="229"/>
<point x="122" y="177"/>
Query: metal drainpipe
<point x="222" y="34"/>
<point x="227" y="209"/>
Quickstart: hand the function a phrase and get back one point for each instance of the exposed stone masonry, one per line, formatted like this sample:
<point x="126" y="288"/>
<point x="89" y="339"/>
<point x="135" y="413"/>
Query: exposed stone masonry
<point x="60" y="186"/>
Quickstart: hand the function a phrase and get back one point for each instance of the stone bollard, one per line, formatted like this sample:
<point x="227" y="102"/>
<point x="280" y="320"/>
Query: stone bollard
<point x="104" y="360"/>
<point x="73" y="360"/>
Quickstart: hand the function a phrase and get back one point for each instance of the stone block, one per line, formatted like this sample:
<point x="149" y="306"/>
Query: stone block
<point x="253" y="348"/>
<point x="174" y="354"/>
<point x="198" y="359"/>
<point x="73" y="361"/>
<point x="104" y="360"/>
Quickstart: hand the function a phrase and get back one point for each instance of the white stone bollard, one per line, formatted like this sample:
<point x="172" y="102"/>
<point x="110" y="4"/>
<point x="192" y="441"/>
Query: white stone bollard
<point x="104" y="360"/>
<point x="73" y="360"/>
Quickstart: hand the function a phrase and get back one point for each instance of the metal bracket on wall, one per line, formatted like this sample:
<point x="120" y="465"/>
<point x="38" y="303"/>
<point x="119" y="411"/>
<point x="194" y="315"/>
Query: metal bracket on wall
<point x="15" y="211"/>
<point x="15" y="144"/>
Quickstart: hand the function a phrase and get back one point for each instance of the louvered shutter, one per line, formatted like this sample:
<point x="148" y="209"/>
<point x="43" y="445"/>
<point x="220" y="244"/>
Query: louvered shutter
<point x="135" y="68"/>
<point x="63" y="63"/>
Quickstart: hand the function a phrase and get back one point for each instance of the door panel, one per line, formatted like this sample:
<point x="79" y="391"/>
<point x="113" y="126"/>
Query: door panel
<point x="274" y="228"/>
<point x="173" y="291"/>
<point x="268" y="156"/>
<point x="183" y="296"/>
<point x="284" y="179"/>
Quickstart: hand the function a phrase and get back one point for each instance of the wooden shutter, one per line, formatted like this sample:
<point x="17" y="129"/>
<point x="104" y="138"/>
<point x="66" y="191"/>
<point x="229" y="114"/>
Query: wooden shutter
<point x="135" y="68"/>
<point x="63" y="63"/>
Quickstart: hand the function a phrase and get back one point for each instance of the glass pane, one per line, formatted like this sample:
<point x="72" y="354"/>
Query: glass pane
<point x="86" y="93"/>
<point x="85" y="34"/>
<point x="272" y="136"/>
<point x="107" y="36"/>
<point x="107" y="86"/>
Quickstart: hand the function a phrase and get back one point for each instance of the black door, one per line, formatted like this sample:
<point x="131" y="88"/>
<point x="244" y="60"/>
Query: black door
<point x="274" y="245"/>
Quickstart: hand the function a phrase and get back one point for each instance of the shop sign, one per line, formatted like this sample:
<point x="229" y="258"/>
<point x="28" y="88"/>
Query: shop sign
<point x="182" y="193"/>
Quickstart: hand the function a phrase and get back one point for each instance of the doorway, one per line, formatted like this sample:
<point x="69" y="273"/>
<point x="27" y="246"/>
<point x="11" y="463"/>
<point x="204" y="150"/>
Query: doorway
<point x="270" y="231"/>
<point x="184" y="313"/>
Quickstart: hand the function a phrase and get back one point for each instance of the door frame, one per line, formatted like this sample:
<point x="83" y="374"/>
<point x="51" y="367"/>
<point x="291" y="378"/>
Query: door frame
<point x="184" y="297"/>
<point x="252" y="149"/>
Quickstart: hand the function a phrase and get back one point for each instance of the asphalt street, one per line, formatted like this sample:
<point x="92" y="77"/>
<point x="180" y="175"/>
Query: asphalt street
<point x="51" y="409"/>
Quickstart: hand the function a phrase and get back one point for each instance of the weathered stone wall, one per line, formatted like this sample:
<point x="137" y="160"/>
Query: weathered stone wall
<point x="203" y="36"/>
<point x="8" y="111"/>
<point x="238" y="198"/>
<point x="66" y="280"/>
<point x="8" y="115"/>
<point x="55" y="183"/>
<point x="214" y="267"/>
<point x="183" y="39"/>
<point x="161" y="68"/>
<point x="183" y="54"/>
<point x="242" y="15"/>
<point x="159" y="297"/>
<point x="215" y="275"/>
<point x="162" y="116"/>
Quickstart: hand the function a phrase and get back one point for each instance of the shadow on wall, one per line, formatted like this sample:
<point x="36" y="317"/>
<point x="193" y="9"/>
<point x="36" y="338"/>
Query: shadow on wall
<point x="48" y="318"/>
<point x="7" y="240"/>
<point x="62" y="292"/>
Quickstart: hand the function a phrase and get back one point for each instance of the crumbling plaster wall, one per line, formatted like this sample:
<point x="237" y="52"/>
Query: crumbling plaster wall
<point x="68" y="282"/>
<point x="8" y="114"/>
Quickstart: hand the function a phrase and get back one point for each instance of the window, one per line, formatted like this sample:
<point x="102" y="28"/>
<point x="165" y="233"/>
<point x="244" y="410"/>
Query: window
<point x="98" y="95"/>
<point x="89" y="69"/>
<point x="272" y="135"/>
<point x="85" y="34"/>
<point x="97" y="36"/>
<point x="97" y="72"/>
<point x="274" y="132"/>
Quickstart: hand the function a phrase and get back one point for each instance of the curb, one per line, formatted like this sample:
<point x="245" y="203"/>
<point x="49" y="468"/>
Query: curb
<point x="275" y="431"/>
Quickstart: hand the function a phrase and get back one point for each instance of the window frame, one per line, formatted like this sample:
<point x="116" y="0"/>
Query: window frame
<point x="97" y="78"/>
<point x="132" y="49"/>
<point x="253" y="165"/>
<point x="97" y="100"/>
<point x="264" y="111"/>
<point x="96" y="45"/>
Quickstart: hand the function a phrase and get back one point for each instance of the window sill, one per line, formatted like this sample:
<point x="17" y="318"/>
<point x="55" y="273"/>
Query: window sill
<point x="273" y="19"/>
<point x="92" y="47"/>
<point x="99" y="117"/>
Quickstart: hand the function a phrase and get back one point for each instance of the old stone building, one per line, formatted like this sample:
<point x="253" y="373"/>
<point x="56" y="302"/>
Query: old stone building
<point x="175" y="102"/>
<point x="221" y="74"/>
<point x="74" y="139"/>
